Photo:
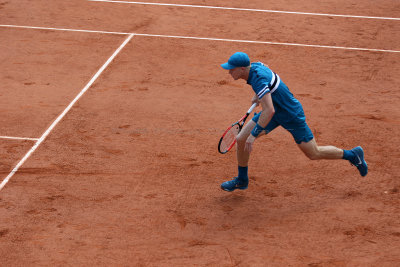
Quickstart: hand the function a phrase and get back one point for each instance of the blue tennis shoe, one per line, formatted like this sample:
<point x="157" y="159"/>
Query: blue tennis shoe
<point x="359" y="161"/>
<point x="235" y="183"/>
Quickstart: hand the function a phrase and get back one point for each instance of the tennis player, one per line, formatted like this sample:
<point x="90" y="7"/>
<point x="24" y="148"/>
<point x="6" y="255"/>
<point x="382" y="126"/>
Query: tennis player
<point x="279" y="108"/>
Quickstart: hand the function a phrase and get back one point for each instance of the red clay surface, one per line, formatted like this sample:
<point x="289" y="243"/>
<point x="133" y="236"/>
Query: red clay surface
<point x="42" y="72"/>
<point x="130" y="177"/>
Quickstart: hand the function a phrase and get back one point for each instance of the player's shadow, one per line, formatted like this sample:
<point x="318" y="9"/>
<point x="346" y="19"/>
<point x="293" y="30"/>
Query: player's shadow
<point x="237" y="202"/>
<point x="233" y="198"/>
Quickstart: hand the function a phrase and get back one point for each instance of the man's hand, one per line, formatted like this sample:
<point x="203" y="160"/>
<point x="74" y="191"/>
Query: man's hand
<point x="249" y="143"/>
<point x="255" y="100"/>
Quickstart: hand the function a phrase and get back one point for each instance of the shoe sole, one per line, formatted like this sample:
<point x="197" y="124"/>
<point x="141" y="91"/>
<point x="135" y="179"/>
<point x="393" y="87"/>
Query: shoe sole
<point x="240" y="188"/>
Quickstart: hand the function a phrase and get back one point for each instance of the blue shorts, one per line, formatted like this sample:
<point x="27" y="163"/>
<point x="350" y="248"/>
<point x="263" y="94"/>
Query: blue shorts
<point x="297" y="127"/>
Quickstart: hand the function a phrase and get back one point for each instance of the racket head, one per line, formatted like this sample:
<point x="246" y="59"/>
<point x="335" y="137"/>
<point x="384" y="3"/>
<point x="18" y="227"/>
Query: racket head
<point x="228" y="139"/>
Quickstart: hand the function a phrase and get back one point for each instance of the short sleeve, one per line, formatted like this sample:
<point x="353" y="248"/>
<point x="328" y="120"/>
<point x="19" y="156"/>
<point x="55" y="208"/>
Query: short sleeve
<point x="263" y="92"/>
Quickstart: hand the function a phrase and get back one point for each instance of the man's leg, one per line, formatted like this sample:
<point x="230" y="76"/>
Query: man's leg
<point x="315" y="152"/>
<point x="242" y="180"/>
<point x="355" y="155"/>
<point x="243" y="155"/>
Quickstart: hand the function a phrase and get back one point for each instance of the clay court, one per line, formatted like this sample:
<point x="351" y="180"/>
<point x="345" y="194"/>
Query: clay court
<point x="111" y="114"/>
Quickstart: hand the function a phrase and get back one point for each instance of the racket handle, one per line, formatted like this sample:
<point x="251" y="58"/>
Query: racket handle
<point x="251" y="108"/>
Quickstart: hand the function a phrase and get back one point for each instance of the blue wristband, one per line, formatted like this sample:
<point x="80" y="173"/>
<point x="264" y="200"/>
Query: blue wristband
<point x="257" y="130"/>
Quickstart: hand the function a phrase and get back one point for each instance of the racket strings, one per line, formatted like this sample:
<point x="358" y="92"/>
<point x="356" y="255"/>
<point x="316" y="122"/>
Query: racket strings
<point x="229" y="138"/>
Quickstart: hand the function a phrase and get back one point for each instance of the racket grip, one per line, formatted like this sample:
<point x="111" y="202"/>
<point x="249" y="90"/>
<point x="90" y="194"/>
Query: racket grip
<point x="252" y="108"/>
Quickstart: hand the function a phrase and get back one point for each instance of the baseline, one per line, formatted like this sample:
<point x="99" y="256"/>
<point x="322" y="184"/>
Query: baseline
<point x="204" y="38"/>
<point x="246" y="9"/>
<point x="61" y="116"/>
<point x="19" y="138"/>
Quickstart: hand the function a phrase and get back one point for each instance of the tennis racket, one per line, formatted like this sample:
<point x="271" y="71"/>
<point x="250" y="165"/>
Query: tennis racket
<point x="228" y="139"/>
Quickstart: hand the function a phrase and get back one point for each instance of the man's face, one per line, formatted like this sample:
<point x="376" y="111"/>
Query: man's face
<point x="236" y="73"/>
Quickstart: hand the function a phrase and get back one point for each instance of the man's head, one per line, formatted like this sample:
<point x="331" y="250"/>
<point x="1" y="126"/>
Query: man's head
<point x="238" y="65"/>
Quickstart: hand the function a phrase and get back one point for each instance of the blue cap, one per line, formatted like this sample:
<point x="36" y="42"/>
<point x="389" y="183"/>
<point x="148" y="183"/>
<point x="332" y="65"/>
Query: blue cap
<point x="239" y="59"/>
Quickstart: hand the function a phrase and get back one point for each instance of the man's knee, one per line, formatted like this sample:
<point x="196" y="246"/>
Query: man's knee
<point x="313" y="154"/>
<point x="310" y="149"/>
<point x="241" y="139"/>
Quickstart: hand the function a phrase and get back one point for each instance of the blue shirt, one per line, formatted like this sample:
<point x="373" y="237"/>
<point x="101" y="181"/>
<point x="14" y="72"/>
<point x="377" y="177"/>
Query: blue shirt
<point x="264" y="81"/>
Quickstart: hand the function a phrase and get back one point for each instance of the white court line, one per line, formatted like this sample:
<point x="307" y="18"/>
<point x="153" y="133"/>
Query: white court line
<point x="247" y="9"/>
<point x="19" y="138"/>
<point x="59" y="118"/>
<point x="206" y="38"/>
<point x="271" y="43"/>
<point x="61" y="29"/>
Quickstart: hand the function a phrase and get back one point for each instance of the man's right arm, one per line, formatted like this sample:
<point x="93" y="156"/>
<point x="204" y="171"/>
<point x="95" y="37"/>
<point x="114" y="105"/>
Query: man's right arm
<point x="255" y="100"/>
